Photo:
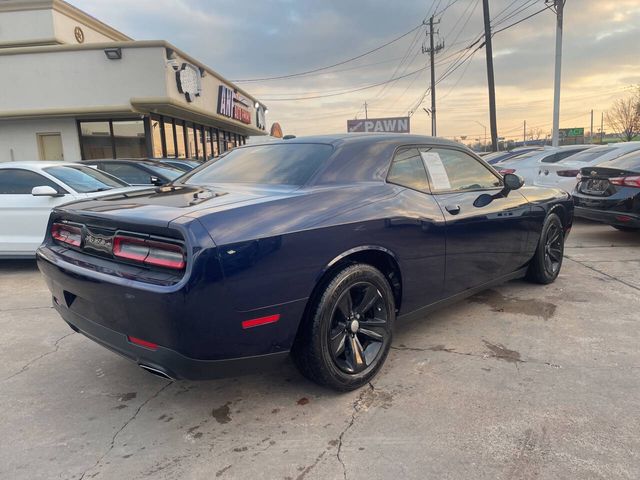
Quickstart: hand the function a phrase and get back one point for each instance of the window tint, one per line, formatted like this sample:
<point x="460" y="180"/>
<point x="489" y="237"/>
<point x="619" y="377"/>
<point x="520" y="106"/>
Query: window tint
<point x="567" y="153"/>
<point x="591" y="153"/>
<point x="14" y="181"/>
<point x="278" y="164"/>
<point x="129" y="173"/>
<point x="407" y="170"/>
<point x="456" y="170"/>
<point x="168" y="171"/>
<point x="630" y="161"/>
<point x="84" y="179"/>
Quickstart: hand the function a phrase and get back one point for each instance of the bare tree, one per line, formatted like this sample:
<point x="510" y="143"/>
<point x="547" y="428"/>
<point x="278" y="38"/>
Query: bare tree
<point x="624" y="117"/>
<point x="535" y="134"/>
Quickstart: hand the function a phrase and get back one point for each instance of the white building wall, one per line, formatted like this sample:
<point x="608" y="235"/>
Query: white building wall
<point x="80" y="79"/>
<point x="26" y="27"/>
<point x="18" y="141"/>
<point x="64" y="30"/>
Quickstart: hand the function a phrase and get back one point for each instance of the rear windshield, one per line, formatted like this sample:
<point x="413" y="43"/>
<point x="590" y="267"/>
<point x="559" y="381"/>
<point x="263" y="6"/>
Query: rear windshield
<point x="166" y="171"/>
<point x="275" y="164"/>
<point x="85" y="179"/>
<point x="590" y="153"/>
<point x="630" y="161"/>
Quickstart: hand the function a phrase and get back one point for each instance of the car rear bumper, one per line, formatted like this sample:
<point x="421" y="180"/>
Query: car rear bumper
<point x="621" y="219"/>
<point x="163" y="361"/>
<point x="194" y="331"/>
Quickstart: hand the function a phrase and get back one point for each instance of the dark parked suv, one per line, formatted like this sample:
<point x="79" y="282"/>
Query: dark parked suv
<point x="610" y="193"/>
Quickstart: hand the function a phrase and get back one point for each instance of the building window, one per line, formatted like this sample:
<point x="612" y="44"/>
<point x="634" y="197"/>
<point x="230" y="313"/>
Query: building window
<point x="191" y="141"/>
<point x="95" y="140"/>
<point x="157" y="137"/>
<point x="129" y="139"/>
<point x="181" y="150"/>
<point x="201" y="142"/>
<point x="169" y="138"/>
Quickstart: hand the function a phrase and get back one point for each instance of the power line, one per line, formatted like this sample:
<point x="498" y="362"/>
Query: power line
<point x="279" y="77"/>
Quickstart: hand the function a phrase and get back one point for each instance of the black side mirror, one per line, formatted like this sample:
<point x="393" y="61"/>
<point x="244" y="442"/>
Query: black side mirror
<point x="483" y="200"/>
<point x="512" y="181"/>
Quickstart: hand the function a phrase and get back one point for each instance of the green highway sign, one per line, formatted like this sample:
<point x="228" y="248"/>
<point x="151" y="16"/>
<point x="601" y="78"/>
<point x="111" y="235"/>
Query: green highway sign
<point x="571" y="132"/>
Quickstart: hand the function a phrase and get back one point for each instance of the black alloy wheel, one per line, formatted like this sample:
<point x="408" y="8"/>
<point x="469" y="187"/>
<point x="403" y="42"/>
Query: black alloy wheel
<point x="346" y="335"/>
<point x="358" y="328"/>
<point x="545" y="265"/>
<point x="553" y="249"/>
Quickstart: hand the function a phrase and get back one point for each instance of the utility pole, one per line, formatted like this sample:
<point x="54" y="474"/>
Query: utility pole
<point x="602" y="128"/>
<point x="524" y="134"/>
<point x="432" y="50"/>
<point x="591" y="131"/>
<point x="559" y="9"/>
<point x="490" y="80"/>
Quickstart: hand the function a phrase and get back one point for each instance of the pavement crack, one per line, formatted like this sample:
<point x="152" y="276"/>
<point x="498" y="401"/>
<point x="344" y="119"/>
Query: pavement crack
<point x="25" y="367"/>
<point x="24" y="308"/>
<point x="603" y="273"/>
<point x="115" y="435"/>
<point x="357" y="407"/>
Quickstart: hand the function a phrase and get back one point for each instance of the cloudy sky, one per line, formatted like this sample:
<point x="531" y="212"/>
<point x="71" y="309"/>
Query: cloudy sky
<point x="266" y="38"/>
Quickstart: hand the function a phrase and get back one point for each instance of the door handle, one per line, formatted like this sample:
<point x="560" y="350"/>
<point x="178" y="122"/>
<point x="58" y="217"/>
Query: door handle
<point x="453" y="209"/>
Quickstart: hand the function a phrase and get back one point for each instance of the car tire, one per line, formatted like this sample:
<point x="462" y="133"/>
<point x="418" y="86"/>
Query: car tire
<point x="626" y="229"/>
<point x="547" y="261"/>
<point x="345" y="338"/>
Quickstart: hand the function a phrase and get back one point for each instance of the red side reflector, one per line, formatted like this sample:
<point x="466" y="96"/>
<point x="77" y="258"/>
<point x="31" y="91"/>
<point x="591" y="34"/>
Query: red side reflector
<point x="260" y="321"/>
<point x="623" y="218"/>
<point x="143" y="343"/>
<point x="504" y="171"/>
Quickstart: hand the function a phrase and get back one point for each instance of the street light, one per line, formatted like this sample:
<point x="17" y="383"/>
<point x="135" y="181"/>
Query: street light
<point x="484" y="148"/>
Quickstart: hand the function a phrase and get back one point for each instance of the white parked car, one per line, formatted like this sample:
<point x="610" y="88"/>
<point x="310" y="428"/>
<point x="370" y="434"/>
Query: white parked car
<point x="563" y="174"/>
<point x="527" y="164"/>
<point x="28" y="192"/>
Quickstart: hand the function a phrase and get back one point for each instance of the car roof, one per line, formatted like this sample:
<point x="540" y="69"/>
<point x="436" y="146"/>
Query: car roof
<point x="38" y="164"/>
<point x="347" y="138"/>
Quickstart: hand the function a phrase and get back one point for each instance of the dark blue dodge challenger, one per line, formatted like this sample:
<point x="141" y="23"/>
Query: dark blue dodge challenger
<point x="310" y="247"/>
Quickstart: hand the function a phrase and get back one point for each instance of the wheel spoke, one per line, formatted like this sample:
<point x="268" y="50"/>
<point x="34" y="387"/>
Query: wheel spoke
<point x="554" y="238"/>
<point x="547" y="263"/>
<point x="369" y="299"/>
<point x="373" y="333"/>
<point x="346" y="305"/>
<point x="356" y="354"/>
<point x="338" y="343"/>
<point x="555" y="253"/>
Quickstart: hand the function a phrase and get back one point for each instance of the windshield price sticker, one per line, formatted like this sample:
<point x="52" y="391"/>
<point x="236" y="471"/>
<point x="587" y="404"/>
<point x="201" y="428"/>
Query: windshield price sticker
<point x="436" y="169"/>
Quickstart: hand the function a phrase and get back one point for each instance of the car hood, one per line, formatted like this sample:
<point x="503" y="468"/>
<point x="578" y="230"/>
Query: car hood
<point x="161" y="205"/>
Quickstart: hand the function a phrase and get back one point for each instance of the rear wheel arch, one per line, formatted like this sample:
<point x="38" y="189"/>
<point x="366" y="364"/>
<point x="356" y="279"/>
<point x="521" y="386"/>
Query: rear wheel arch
<point x="378" y="257"/>
<point x="561" y="212"/>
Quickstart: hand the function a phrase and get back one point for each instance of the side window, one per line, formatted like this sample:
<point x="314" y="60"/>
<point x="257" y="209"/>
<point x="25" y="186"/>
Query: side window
<point x="407" y="170"/>
<point x="128" y="173"/>
<point x="453" y="170"/>
<point x="14" y="181"/>
<point x="552" y="158"/>
<point x="565" y="154"/>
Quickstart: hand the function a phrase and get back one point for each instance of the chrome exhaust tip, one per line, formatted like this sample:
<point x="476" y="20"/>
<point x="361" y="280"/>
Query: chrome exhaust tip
<point x="156" y="371"/>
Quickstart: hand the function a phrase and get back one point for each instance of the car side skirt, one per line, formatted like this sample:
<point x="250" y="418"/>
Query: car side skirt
<point x="421" y="312"/>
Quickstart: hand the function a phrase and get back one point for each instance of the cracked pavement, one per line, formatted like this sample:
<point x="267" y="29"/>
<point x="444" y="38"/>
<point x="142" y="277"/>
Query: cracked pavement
<point x="521" y="381"/>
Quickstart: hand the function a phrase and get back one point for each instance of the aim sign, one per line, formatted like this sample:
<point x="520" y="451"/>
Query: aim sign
<point x="390" y="125"/>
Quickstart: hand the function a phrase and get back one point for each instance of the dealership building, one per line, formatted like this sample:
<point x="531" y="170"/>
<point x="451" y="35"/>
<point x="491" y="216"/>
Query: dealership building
<point x="75" y="88"/>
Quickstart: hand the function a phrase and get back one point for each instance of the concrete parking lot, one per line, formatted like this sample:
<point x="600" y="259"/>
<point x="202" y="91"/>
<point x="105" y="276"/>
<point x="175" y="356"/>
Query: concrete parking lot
<point x="521" y="381"/>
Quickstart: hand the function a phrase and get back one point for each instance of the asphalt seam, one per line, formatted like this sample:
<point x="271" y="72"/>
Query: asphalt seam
<point x="23" y="308"/>
<point x="26" y="366"/>
<point x="603" y="273"/>
<point x="115" y="436"/>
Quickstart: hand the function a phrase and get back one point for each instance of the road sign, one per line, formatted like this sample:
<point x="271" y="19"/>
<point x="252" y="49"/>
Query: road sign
<point x="571" y="132"/>
<point x="392" y="125"/>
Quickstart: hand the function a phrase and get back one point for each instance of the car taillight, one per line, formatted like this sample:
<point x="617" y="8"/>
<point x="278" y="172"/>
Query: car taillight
<point x="633" y="181"/>
<point x="568" y="173"/>
<point x="149" y="252"/>
<point x="504" y="171"/>
<point x="66" y="234"/>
